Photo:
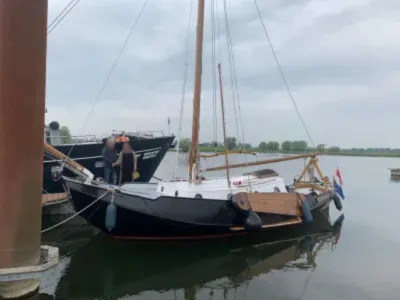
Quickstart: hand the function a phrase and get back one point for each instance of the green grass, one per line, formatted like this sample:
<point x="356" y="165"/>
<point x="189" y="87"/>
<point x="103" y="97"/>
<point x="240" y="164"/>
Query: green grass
<point x="366" y="154"/>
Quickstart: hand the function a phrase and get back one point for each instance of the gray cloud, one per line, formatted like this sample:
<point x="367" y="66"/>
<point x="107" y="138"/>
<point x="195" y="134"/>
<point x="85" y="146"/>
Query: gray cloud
<point x="340" y="59"/>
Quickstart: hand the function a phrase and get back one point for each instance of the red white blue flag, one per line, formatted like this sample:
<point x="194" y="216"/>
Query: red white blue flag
<point x="338" y="183"/>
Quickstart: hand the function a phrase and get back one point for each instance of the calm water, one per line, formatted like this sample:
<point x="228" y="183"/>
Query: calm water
<point x="357" y="260"/>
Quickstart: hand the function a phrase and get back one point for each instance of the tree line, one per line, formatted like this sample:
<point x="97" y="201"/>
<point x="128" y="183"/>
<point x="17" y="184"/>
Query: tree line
<point x="286" y="146"/>
<point x="295" y="146"/>
<point x="231" y="141"/>
<point x="65" y="134"/>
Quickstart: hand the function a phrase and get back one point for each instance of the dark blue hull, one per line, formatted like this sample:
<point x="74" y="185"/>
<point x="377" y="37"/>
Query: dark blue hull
<point x="165" y="217"/>
<point x="138" y="218"/>
<point x="150" y="153"/>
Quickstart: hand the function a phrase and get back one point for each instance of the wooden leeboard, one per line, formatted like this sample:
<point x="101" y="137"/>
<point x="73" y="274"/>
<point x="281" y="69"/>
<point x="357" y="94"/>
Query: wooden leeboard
<point x="274" y="203"/>
<point x="290" y="222"/>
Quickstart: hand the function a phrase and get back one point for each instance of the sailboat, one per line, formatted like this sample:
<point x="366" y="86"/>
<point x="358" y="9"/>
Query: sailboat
<point x="203" y="208"/>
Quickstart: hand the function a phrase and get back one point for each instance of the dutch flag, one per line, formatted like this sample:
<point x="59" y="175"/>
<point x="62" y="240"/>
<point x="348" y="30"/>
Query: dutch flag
<point x="338" y="183"/>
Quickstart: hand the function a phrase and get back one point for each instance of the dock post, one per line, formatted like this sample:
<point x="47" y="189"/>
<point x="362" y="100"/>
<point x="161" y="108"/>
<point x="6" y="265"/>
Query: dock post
<point x="23" y="41"/>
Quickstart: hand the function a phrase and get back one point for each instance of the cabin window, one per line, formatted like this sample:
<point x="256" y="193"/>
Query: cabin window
<point x="277" y="190"/>
<point x="162" y="189"/>
<point x="176" y="193"/>
<point x="198" y="196"/>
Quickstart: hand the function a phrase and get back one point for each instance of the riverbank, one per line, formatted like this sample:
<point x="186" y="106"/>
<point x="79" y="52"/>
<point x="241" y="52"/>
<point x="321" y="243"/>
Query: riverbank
<point x="340" y="153"/>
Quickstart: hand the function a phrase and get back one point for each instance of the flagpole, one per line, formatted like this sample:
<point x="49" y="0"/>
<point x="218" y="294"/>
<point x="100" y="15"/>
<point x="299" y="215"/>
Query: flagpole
<point x="169" y="126"/>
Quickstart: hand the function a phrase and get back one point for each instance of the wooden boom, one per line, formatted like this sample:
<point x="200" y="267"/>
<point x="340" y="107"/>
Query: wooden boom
<point x="263" y="162"/>
<point x="229" y="152"/>
<point x="72" y="165"/>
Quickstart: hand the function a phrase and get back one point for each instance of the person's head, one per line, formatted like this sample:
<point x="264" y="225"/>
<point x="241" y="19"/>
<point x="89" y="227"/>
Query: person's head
<point x="126" y="147"/>
<point x="110" y="143"/>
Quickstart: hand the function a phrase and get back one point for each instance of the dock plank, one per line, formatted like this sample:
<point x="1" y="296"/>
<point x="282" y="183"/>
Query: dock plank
<point x="53" y="198"/>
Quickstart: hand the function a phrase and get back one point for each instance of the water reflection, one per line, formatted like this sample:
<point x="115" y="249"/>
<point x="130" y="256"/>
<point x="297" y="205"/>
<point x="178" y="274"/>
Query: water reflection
<point x="104" y="268"/>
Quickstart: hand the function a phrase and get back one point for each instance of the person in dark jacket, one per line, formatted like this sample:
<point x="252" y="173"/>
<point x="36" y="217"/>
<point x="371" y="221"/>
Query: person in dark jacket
<point x="127" y="161"/>
<point x="109" y="158"/>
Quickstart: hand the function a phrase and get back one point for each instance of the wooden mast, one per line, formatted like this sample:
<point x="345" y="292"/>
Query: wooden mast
<point x="223" y="124"/>
<point x="193" y="154"/>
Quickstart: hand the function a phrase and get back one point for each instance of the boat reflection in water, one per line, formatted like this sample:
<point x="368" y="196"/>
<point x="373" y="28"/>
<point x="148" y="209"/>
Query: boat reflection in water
<point x="111" y="269"/>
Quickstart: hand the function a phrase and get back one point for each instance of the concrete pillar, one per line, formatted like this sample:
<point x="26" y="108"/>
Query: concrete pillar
<point x="23" y="37"/>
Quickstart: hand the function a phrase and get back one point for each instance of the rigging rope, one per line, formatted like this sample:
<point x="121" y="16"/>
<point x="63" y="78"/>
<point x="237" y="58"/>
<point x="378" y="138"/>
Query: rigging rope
<point x="214" y="77"/>
<point x="231" y="69"/>
<point x="183" y="89"/>
<point x="218" y="31"/>
<point x="215" y="70"/>
<point x="56" y="20"/>
<point x="235" y="77"/>
<point x="110" y="71"/>
<point x="282" y="74"/>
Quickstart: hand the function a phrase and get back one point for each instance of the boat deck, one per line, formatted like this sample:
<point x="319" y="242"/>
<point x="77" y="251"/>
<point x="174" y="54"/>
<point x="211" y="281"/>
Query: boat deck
<point x="148" y="190"/>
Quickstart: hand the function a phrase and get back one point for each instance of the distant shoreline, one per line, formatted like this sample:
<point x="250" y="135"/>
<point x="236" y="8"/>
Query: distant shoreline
<point x="340" y="153"/>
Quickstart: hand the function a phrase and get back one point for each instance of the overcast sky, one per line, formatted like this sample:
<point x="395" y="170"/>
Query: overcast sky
<point x="341" y="59"/>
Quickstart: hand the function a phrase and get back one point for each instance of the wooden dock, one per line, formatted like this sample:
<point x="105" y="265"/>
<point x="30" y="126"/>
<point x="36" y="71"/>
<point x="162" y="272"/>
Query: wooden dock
<point x="56" y="204"/>
<point x="49" y="199"/>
